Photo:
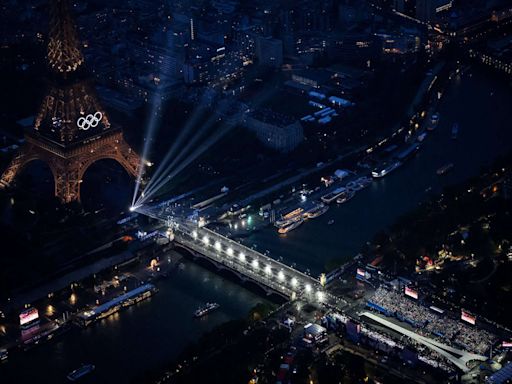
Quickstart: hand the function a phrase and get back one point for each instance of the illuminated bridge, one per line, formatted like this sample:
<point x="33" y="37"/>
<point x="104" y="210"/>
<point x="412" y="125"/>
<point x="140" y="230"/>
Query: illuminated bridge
<point x="247" y="263"/>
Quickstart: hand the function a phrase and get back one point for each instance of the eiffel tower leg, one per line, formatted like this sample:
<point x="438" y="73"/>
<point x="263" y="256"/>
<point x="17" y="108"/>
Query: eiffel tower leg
<point x="25" y="155"/>
<point x="127" y="157"/>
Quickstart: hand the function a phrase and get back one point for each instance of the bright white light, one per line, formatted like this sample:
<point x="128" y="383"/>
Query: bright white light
<point x="320" y="295"/>
<point x="242" y="256"/>
<point x="133" y="208"/>
<point x="268" y="269"/>
<point x="206" y="240"/>
<point x="255" y="264"/>
<point x="280" y="275"/>
<point x="308" y="288"/>
<point x="229" y="251"/>
<point x="194" y="235"/>
<point x="294" y="282"/>
<point x="218" y="246"/>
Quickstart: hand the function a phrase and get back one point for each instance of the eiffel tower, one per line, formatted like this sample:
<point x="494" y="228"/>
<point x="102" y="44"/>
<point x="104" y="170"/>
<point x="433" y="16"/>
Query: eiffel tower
<point x="71" y="130"/>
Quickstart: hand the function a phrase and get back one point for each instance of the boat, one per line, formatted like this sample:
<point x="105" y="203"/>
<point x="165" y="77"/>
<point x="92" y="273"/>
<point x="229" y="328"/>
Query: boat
<point x="421" y="137"/>
<point x="290" y="227"/>
<point x="330" y="197"/>
<point x="386" y="169"/>
<point x="364" y="181"/>
<point x="444" y="169"/>
<point x="408" y="152"/>
<point x="354" y="186"/>
<point x="205" y="309"/>
<point x="290" y="217"/>
<point x="434" y="121"/>
<point x="346" y="196"/>
<point x="455" y="130"/>
<point x="316" y="211"/>
<point x="104" y="310"/>
<point x="330" y="222"/>
<point x="79" y="372"/>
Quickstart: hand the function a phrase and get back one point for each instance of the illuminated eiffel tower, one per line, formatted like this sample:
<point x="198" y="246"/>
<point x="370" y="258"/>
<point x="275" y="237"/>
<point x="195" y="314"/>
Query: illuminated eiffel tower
<point x="71" y="130"/>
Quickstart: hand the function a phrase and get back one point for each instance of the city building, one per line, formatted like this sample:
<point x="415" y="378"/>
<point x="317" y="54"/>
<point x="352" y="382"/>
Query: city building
<point x="269" y="52"/>
<point x="275" y="130"/>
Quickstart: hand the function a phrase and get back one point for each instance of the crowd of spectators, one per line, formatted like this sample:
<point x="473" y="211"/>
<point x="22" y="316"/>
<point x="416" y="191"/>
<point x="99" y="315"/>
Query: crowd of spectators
<point x="433" y="324"/>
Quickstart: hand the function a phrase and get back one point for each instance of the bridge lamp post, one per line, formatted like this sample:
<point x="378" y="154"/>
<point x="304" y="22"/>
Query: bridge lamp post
<point x="268" y="270"/>
<point x="308" y="288"/>
<point x="255" y="264"/>
<point x="206" y="240"/>
<point x="280" y="275"/>
<point x="218" y="247"/>
<point x="320" y="295"/>
<point x="229" y="251"/>
<point x="242" y="255"/>
<point x="194" y="235"/>
<point x="294" y="282"/>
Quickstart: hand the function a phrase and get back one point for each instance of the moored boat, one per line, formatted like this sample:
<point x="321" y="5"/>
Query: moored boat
<point x="386" y="169"/>
<point x="316" y="211"/>
<point x="290" y="227"/>
<point x="346" y="196"/>
<point x="3" y="355"/>
<point x="330" y="197"/>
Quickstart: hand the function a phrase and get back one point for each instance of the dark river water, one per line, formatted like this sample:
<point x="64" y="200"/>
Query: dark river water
<point x="153" y="332"/>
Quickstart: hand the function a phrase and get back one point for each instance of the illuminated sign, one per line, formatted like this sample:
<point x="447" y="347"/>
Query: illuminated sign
<point x="411" y="292"/>
<point x="506" y="344"/>
<point x="28" y="315"/>
<point x="468" y="318"/>
<point x="89" y="121"/>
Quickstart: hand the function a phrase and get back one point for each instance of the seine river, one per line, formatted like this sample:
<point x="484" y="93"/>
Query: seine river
<point x="152" y="333"/>
<point x="479" y="104"/>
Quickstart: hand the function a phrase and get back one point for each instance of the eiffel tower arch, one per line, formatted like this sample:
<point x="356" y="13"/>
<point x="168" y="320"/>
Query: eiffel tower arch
<point x="71" y="130"/>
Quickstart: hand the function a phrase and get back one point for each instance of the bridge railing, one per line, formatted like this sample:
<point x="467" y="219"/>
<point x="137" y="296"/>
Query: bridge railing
<point x="236" y="266"/>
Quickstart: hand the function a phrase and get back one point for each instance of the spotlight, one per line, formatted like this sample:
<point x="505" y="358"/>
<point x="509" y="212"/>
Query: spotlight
<point x="133" y="208"/>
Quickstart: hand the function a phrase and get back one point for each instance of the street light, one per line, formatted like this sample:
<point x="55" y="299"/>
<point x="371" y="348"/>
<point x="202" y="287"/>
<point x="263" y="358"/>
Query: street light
<point x="206" y="240"/>
<point x="308" y="288"/>
<point x="229" y="251"/>
<point x="294" y="282"/>
<point x="194" y="235"/>
<point x="320" y="295"/>
<point x="255" y="264"/>
<point x="280" y="275"/>
<point x="242" y="255"/>
<point x="218" y="246"/>
<point x="268" y="269"/>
